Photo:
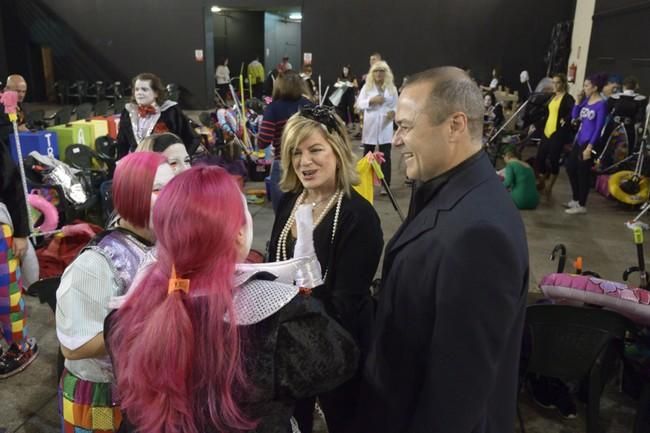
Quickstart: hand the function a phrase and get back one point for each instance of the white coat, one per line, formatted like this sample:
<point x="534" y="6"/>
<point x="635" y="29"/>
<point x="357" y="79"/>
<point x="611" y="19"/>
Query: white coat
<point x="377" y="126"/>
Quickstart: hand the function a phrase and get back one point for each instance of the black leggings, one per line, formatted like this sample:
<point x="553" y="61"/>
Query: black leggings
<point x="579" y="172"/>
<point x="549" y="153"/>
<point x="385" y="166"/>
<point x="338" y="405"/>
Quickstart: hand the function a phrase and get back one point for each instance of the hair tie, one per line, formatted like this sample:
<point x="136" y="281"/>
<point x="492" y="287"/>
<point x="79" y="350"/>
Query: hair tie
<point x="177" y="284"/>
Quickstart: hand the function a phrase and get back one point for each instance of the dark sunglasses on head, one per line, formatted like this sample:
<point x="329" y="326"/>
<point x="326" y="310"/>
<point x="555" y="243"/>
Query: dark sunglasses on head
<point x="322" y="115"/>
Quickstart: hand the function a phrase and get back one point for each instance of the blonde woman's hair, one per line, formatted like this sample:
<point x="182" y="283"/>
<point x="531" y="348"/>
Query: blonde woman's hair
<point x="389" y="79"/>
<point x="297" y="129"/>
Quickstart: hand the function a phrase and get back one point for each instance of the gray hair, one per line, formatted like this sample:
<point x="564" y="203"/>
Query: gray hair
<point x="452" y="91"/>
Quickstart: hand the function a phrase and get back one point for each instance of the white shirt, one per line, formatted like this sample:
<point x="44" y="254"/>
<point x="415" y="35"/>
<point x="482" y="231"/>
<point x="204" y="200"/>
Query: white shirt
<point x="81" y="307"/>
<point x="377" y="127"/>
<point x="222" y="74"/>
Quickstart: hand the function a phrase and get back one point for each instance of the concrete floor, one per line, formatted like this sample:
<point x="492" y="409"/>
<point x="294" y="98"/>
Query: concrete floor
<point x="28" y="400"/>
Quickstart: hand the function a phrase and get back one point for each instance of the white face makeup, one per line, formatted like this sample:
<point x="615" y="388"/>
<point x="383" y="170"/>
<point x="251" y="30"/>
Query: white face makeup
<point x="163" y="175"/>
<point x="143" y="93"/>
<point x="177" y="157"/>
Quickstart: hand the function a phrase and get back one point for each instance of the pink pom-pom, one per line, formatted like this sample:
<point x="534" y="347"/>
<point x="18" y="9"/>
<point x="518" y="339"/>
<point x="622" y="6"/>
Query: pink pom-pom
<point x="10" y="101"/>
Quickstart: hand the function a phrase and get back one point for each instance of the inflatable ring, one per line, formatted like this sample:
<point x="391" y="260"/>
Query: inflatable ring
<point x="255" y="195"/>
<point x="632" y="302"/>
<point x="47" y="210"/>
<point x="615" y="190"/>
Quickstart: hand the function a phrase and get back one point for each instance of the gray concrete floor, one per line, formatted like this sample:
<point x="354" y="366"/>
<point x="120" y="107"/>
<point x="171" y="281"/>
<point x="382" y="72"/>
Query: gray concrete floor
<point x="28" y="400"/>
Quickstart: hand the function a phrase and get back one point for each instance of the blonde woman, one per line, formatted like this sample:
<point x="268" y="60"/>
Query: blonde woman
<point x="378" y="99"/>
<point x="319" y="169"/>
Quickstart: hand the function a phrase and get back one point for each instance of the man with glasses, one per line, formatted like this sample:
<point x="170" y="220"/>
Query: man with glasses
<point x="448" y="328"/>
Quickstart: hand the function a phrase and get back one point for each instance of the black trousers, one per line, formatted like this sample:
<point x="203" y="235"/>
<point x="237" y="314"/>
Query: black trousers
<point x="549" y="153"/>
<point x="385" y="166"/>
<point x="579" y="172"/>
<point x="338" y="405"/>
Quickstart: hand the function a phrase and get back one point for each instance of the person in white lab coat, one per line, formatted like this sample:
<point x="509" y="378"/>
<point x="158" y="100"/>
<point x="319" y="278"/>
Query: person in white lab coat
<point x="378" y="99"/>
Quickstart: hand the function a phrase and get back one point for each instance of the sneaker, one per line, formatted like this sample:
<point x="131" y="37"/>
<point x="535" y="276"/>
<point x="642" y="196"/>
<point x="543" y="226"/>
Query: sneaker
<point x="383" y="192"/>
<point x="551" y="393"/>
<point x="576" y="210"/>
<point x="571" y="204"/>
<point x="14" y="360"/>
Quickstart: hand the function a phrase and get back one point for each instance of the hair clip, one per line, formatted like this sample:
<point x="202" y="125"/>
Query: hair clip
<point x="178" y="284"/>
<point x="321" y="114"/>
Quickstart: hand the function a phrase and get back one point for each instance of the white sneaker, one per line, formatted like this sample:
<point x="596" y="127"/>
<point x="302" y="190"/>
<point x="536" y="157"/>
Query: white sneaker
<point x="571" y="204"/>
<point x="576" y="210"/>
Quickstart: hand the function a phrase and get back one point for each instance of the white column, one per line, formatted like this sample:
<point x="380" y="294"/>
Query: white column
<point x="580" y="40"/>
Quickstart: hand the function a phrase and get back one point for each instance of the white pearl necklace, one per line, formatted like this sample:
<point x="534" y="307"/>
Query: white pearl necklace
<point x="281" y="253"/>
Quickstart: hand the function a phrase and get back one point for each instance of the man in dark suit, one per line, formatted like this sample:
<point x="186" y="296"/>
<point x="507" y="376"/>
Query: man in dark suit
<point x="445" y="352"/>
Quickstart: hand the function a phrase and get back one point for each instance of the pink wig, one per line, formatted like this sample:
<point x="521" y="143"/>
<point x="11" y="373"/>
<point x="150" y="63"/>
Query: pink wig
<point x="133" y="184"/>
<point x="178" y="363"/>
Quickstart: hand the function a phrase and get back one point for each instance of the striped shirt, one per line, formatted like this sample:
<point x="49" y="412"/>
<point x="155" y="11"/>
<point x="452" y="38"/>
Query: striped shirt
<point x="273" y="121"/>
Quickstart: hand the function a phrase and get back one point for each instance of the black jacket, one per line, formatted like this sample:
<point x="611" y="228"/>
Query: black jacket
<point x="350" y="262"/>
<point x="563" y="131"/>
<point x="447" y="336"/>
<point x="173" y="119"/>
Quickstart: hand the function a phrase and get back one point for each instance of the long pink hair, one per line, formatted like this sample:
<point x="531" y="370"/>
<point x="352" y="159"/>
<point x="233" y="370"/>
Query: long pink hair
<point x="132" y="186"/>
<point x="178" y="363"/>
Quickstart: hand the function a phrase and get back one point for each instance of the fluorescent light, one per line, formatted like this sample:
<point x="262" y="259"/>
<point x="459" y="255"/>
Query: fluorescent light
<point x="295" y="16"/>
<point x="215" y="9"/>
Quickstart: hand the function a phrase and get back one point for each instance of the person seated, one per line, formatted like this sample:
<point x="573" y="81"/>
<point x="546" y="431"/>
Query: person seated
<point x="204" y="343"/>
<point x="150" y="113"/>
<point x="519" y="179"/>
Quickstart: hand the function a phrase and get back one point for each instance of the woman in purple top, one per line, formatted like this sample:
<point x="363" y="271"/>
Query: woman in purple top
<point x="591" y="111"/>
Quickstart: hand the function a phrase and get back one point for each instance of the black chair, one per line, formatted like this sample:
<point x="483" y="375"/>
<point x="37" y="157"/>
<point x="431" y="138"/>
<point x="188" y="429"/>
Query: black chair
<point x="115" y="91"/>
<point x="84" y="111"/>
<point x="35" y="119"/>
<point x="46" y="291"/>
<point x="173" y="92"/>
<point x="61" y="91"/>
<point x="96" y="91"/>
<point x="102" y="107"/>
<point x="106" y="148"/>
<point x="60" y="117"/>
<point x="575" y="344"/>
<point x="77" y="91"/>
<point x="118" y="106"/>
<point x="106" y="194"/>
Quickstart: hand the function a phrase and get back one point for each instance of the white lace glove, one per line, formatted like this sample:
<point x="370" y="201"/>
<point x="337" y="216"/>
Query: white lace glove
<point x="310" y="275"/>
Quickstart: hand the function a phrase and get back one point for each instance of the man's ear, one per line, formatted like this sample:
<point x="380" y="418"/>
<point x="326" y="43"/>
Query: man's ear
<point x="458" y="125"/>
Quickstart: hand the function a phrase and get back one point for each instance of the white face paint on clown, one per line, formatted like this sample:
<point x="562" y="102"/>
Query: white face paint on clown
<point x="245" y="238"/>
<point x="144" y="93"/>
<point x="164" y="174"/>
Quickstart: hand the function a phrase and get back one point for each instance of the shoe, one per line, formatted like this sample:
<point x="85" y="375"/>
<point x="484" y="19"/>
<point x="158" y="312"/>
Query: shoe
<point x="571" y="204"/>
<point x="383" y="192"/>
<point x="14" y="360"/>
<point x="576" y="210"/>
<point x="551" y="393"/>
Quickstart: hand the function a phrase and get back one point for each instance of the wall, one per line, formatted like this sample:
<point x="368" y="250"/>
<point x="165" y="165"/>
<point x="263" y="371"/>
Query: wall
<point x="281" y="37"/>
<point x="619" y="40"/>
<point x="115" y="39"/>
<point x="4" y="69"/>
<point x="582" y="27"/>
<point x="413" y="35"/>
<point x="239" y="36"/>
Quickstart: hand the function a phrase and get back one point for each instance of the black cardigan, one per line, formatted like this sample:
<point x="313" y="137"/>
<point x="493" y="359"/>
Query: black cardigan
<point x="564" y="113"/>
<point x="11" y="193"/>
<point x="351" y="261"/>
